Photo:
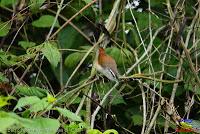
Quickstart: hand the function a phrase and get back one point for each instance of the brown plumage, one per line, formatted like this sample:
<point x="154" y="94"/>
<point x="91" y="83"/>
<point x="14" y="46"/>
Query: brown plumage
<point x="107" y="65"/>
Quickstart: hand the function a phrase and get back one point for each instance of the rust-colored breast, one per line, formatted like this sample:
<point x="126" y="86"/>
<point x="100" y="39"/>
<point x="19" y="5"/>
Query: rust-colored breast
<point x="107" y="62"/>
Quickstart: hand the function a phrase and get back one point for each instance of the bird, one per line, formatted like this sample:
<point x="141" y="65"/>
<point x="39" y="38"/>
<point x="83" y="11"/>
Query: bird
<point x="106" y="65"/>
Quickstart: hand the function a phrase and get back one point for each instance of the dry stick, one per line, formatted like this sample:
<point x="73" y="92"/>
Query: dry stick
<point x="144" y="54"/>
<point x="144" y="106"/>
<point x="175" y="85"/>
<point x="55" y="19"/>
<point x="161" y="86"/>
<point x="143" y="96"/>
<point x="184" y="45"/>
<point x="80" y="11"/>
<point x="13" y="17"/>
<point x="137" y="63"/>
<point x="16" y="34"/>
<point x="80" y="105"/>
<point x="74" y="91"/>
<point x="74" y="26"/>
<point x="88" y="106"/>
<point x="80" y="63"/>
<point x="149" y="78"/>
<point x="151" y="42"/>
<point x="142" y="42"/>
<point x="191" y="64"/>
<point x="181" y="59"/>
<point x="153" y="119"/>
<point x="142" y="90"/>
<point x="101" y="103"/>
<point x="45" y="77"/>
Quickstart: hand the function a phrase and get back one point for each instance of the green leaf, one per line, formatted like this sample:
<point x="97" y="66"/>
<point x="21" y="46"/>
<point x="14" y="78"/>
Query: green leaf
<point x="57" y="72"/>
<point x="7" y="2"/>
<point x="68" y="37"/>
<point x="26" y="44"/>
<point x="45" y="21"/>
<point x="35" y="103"/>
<point x="8" y="59"/>
<point x="6" y="122"/>
<point x="74" y="128"/>
<point x="94" y="131"/>
<point x="40" y="125"/>
<point x="31" y="91"/>
<point x="68" y="114"/>
<point x="73" y="59"/>
<point x="121" y="57"/>
<point x="4" y="28"/>
<point x="52" y="53"/>
<point x="40" y="106"/>
<point x="31" y="126"/>
<point x="35" y="5"/>
<point x="51" y="98"/>
<point x="157" y="3"/>
<point x="190" y="87"/>
<point x="24" y="101"/>
<point x="111" y="131"/>
<point x="4" y="100"/>
<point x="87" y="1"/>
<point x="143" y="20"/>
<point x="137" y="119"/>
<point x="118" y="99"/>
<point x="3" y="78"/>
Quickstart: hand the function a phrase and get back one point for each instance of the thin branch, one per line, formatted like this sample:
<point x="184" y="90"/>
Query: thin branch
<point x="65" y="24"/>
<point x="101" y="103"/>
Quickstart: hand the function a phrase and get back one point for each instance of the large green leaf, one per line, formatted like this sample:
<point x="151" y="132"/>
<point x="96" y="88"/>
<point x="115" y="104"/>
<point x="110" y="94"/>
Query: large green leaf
<point x="40" y="106"/>
<point x="69" y="114"/>
<point x="26" y="44"/>
<point x="52" y="53"/>
<point x="35" y="5"/>
<point x="5" y="123"/>
<point x="31" y="91"/>
<point x="41" y="126"/>
<point x="73" y="59"/>
<point x="36" y="104"/>
<point x="31" y="126"/>
<point x="7" y="2"/>
<point x="4" y="28"/>
<point x="143" y="20"/>
<point x="70" y="38"/>
<point x="45" y="21"/>
<point x="28" y="100"/>
<point x="121" y="57"/>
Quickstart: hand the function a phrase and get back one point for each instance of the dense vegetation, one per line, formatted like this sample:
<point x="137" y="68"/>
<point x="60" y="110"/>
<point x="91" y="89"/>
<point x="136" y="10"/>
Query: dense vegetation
<point x="48" y="83"/>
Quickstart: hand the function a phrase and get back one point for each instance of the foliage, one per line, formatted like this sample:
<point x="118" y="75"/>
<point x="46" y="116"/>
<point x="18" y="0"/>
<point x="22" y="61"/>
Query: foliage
<point x="48" y="83"/>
